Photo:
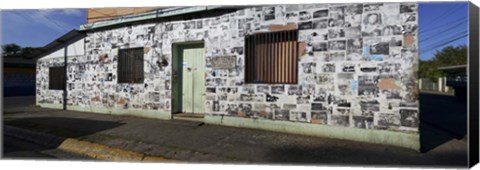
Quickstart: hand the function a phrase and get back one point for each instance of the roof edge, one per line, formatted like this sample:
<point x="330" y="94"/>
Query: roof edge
<point x="66" y="39"/>
<point x="453" y="67"/>
<point x="159" y="13"/>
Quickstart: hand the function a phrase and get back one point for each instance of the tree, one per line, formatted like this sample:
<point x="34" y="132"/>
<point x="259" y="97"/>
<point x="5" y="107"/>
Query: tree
<point x="11" y="49"/>
<point x="29" y="52"/>
<point x="448" y="56"/>
<point x="427" y="69"/>
<point x="14" y="50"/>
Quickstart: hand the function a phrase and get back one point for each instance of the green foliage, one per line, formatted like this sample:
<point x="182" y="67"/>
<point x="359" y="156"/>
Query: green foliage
<point x="428" y="69"/>
<point x="448" y="56"/>
<point x="29" y="51"/>
<point x="11" y="49"/>
<point x="14" y="50"/>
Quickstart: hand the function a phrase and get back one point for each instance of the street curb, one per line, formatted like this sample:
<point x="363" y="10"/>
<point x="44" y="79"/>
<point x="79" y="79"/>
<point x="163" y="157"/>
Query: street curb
<point x="104" y="152"/>
<point x="90" y="149"/>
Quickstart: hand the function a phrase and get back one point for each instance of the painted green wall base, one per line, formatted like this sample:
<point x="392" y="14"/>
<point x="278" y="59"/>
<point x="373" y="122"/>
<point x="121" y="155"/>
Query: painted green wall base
<point x="133" y="112"/>
<point x="406" y="140"/>
<point x="188" y="118"/>
<point x="156" y="114"/>
<point x="50" y="105"/>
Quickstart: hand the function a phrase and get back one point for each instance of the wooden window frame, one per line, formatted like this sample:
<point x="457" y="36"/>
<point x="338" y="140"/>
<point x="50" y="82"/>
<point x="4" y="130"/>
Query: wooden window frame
<point x="130" y="65"/>
<point x="272" y="57"/>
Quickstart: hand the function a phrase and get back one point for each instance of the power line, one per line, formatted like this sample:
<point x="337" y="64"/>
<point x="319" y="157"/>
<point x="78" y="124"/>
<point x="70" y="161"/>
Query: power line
<point x="446" y="39"/>
<point x="440" y="16"/>
<point x="439" y="29"/>
<point x="444" y="43"/>
<point x="441" y="26"/>
<point x="54" y="22"/>
<point x="444" y="15"/>
<point x="28" y="18"/>
<point x="445" y="31"/>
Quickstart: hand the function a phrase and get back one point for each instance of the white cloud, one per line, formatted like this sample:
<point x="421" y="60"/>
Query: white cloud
<point x="74" y="12"/>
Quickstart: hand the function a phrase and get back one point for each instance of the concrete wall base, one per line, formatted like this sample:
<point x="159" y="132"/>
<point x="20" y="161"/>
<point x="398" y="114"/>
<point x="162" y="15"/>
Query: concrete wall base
<point x="406" y="140"/>
<point x="401" y="139"/>
<point x="155" y="114"/>
<point x="50" y="105"/>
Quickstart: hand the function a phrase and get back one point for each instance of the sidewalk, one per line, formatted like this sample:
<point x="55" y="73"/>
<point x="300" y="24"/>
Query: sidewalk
<point x="197" y="142"/>
<point x="18" y="104"/>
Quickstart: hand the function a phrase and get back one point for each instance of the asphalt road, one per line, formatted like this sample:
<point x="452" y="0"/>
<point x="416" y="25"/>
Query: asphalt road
<point x="17" y="104"/>
<point x="15" y="148"/>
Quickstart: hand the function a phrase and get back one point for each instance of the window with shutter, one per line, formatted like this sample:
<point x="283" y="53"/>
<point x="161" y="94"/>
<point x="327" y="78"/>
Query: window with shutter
<point x="130" y="65"/>
<point x="271" y="57"/>
<point x="56" y="78"/>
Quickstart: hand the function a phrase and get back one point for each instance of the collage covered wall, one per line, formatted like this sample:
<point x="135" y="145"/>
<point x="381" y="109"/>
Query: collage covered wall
<point x="44" y="95"/>
<point x="357" y="66"/>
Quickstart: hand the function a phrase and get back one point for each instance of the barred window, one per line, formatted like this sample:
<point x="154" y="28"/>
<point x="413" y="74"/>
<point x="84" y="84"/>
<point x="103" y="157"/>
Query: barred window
<point x="56" y="78"/>
<point x="271" y="57"/>
<point x="130" y="65"/>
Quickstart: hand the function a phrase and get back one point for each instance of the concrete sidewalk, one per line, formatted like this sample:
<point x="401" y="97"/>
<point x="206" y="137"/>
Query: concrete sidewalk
<point x="18" y="104"/>
<point x="198" y="142"/>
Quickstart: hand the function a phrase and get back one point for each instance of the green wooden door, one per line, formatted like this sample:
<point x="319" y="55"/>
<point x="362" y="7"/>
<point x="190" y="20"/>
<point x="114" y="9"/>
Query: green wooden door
<point x="193" y="79"/>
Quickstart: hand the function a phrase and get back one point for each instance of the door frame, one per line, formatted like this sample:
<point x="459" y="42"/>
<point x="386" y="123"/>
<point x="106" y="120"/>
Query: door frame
<point x="177" y="73"/>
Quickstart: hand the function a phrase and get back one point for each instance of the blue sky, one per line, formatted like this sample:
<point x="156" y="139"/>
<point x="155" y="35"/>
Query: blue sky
<point x="438" y="23"/>
<point x="37" y="28"/>
<point x="441" y="23"/>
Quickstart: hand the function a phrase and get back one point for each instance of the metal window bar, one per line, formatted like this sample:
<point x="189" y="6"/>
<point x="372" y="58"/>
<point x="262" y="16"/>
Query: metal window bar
<point x="130" y="65"/>
<point x="272" y="57"/>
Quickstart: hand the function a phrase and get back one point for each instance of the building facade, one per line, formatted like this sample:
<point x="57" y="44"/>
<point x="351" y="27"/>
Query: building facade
<point x="351" y="71"/>
<point x="18" y="77"/>
<point x="50" y="69"/>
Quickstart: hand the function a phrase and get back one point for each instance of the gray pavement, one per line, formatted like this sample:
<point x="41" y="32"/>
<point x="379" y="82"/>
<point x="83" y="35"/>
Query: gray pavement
<point x="16" y="148"/>
<point x="193" y="142"/>
<point x="203" y="143"/>
<point x="17" y="104"/>
<point x="444" y="113"/>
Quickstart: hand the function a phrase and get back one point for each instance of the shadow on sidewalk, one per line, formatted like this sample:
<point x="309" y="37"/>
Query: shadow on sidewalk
<point x="64" y="127"/>
<point x="361" y="156"/>
<point x="18" y="104"/>
<point x="29" y="137"/>
<point x="442" y="118"/>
